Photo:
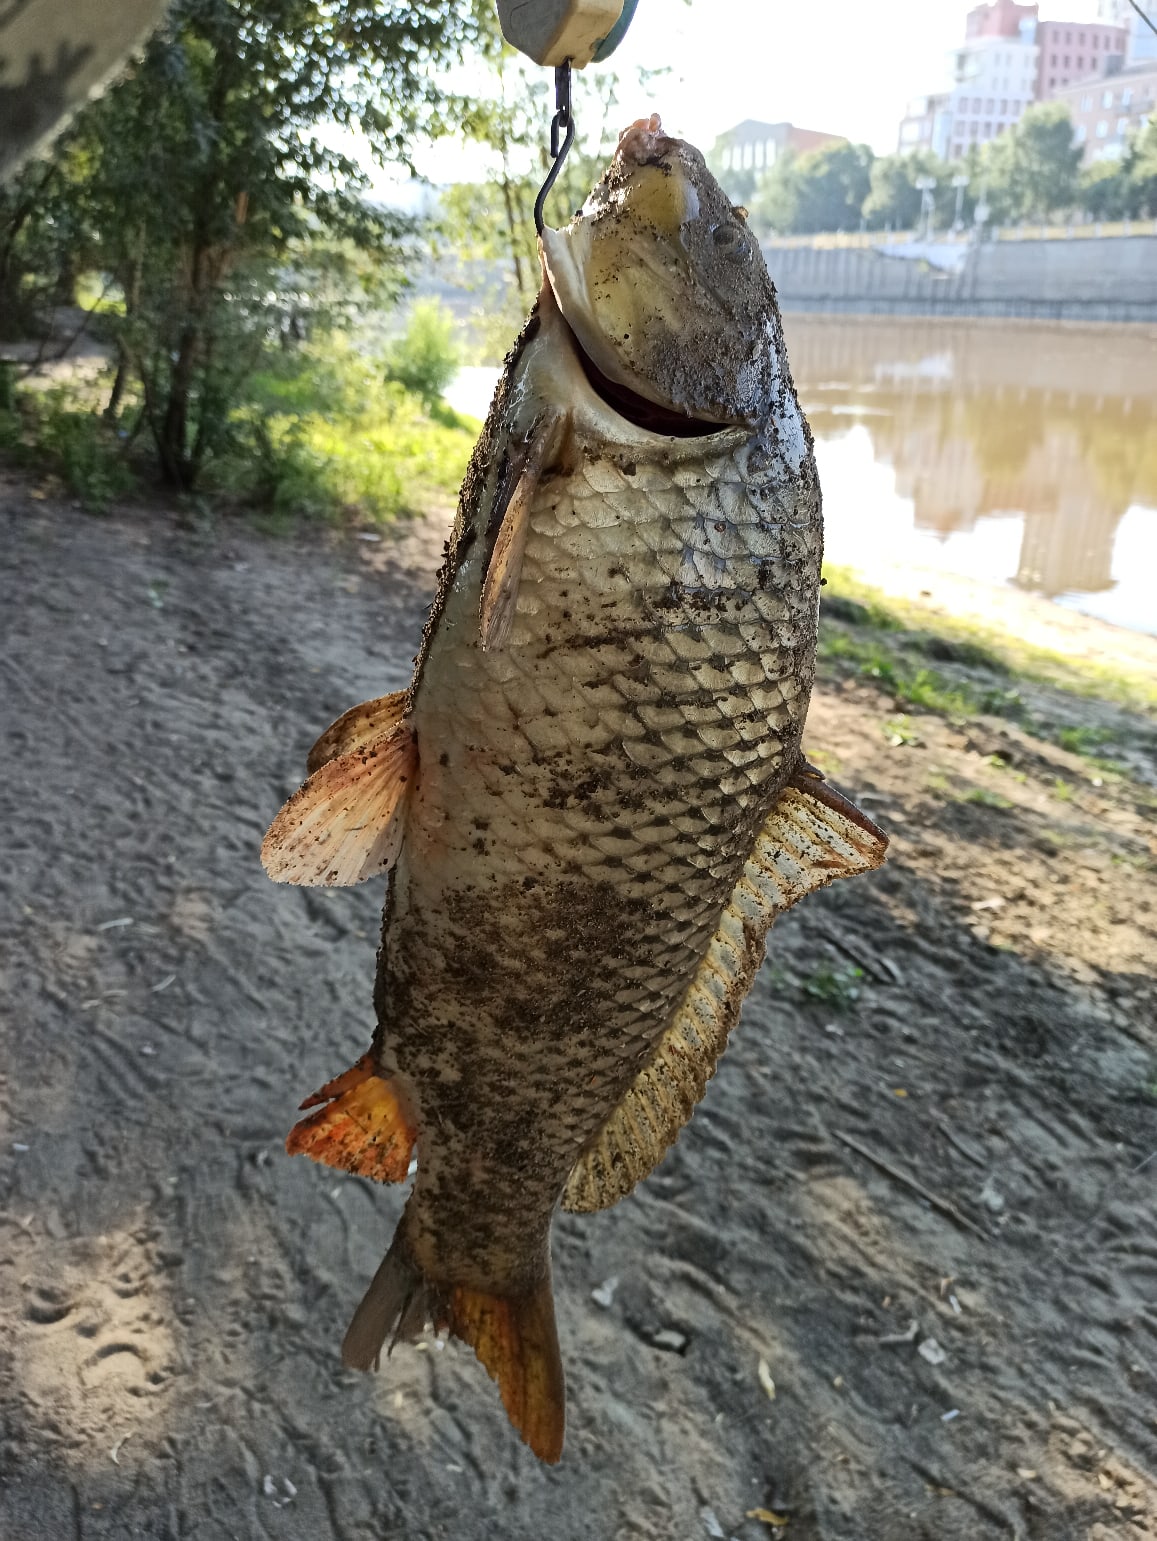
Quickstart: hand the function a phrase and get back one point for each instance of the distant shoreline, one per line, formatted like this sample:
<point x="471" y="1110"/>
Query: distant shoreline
<point x="1107" y="281"/>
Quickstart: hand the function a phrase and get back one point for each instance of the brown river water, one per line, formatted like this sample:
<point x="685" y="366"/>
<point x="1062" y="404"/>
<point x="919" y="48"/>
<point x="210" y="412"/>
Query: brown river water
<point x="1009" y="452"/>
<point x="1014" y="452"/>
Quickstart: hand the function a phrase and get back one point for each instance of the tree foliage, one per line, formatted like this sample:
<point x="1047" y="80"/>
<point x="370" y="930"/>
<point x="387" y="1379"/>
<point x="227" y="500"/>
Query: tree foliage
<point x="822" y="190"/>
<point x="494" y="219"/>
<point x="217" y="184"/>
<point x="1032" y="169"/>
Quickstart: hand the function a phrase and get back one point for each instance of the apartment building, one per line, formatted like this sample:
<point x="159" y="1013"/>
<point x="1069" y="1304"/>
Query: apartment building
<point x="1068" y="51"/>
<point x="755" y="146"/>
<point x="1109" y="109"/>
<point x="994" y="73"/>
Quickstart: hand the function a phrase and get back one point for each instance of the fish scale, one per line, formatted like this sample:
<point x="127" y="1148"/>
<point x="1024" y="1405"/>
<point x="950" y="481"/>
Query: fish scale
<point x="702" y="692"/>
<point x="591" y="801"/>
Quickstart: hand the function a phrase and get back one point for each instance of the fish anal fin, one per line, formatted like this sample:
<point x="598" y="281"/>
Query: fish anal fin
<point x="504" y="570"/>
<point x="346" y="823"/>
<point x="813" y="836"/>
<point x="361" y="1127"/>
<point x="360" y="726"/>
<point x="514" y="1337"/>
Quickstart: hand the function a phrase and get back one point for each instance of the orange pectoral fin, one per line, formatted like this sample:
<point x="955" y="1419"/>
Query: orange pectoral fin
<point x="362" y="1127"/>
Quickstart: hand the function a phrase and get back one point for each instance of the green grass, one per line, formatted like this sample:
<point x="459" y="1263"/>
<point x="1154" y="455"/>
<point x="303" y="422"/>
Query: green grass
<point x="59" y="432"/>
<point x="986" y="799"/>
<point x="326" y="436"/>
<point x="975" y="646"/>
<point x="837" y="988"/>
<point x="915" y="684"/>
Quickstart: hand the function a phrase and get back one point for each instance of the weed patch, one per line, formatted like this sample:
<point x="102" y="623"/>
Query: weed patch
<point x="837" y="988"/>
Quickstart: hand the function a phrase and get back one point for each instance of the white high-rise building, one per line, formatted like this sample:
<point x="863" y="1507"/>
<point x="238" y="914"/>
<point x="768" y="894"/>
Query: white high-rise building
<point x="994" y="80"/>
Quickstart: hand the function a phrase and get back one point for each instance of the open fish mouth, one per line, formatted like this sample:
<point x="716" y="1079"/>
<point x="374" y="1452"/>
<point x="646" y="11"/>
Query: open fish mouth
<point x="650" y="416"/>
<point x="665" y="292"/>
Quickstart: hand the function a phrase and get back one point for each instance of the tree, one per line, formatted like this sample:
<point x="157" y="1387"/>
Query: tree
<point x="494" y="219"/>
<point x="1031" y="170"/>
<point x="1140" y="169"/>
<point x="822" y="190"/>
<point x="1103" y="190"/>
<point x="894" y="198"/>
<point x="212" y="184"/>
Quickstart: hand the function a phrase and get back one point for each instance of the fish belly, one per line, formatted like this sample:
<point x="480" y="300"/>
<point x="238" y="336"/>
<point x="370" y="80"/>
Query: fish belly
<point x="588" y="795"/>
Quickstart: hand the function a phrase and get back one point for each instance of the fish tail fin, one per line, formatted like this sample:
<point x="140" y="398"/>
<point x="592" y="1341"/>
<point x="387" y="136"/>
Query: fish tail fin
<point x="514" y="1337"/>
<point x="362" y="1126"/>
<point x="516" y="1340"/>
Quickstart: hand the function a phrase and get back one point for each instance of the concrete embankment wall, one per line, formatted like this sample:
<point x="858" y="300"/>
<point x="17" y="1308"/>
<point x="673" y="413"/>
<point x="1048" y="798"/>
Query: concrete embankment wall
<point x="1110" y="279"/>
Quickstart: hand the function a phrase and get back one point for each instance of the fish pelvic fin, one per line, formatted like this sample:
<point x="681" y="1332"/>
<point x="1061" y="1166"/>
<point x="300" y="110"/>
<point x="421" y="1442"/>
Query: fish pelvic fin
<point x="813" y="836"/>
<point x="361" y="1126"/>
<point x="355" y="729"/>
<point x="347" y="822"/>
<point x="514" y="1337"/>
<point x="504" y="570"/>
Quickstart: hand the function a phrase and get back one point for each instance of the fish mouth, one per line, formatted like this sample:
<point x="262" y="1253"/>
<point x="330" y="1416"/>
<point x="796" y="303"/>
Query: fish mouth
<point x="638" y="410"/>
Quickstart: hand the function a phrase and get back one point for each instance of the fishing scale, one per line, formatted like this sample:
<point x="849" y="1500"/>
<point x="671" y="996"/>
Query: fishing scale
<point x="565" y="34"/>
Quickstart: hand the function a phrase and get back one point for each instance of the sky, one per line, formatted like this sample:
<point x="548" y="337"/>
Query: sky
<point x="841" y="66"/>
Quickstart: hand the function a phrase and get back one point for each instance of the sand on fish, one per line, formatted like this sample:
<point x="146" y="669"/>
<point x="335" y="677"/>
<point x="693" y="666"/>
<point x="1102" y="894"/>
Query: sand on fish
<point x="976" y="1021"/>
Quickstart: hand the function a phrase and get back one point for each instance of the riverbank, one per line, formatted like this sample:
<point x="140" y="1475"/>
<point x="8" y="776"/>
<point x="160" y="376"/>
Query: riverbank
<point x="946" y="1072"/>
<point x="1076" y="279"/>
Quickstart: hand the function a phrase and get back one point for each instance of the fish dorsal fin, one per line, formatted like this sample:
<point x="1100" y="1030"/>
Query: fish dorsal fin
<point x="346" y="823"/>
<point x="504" y="570"/>
<point x="813" y="836"/>
<point x="359" y="726"/>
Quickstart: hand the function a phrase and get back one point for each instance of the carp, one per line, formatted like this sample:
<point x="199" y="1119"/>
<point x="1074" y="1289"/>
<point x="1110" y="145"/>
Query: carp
<point x="591" y="801"/>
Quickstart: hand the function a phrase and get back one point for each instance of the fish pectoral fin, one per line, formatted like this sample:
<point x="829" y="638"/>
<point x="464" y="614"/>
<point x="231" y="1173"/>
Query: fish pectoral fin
<point x="813" y="835"/>
<point x="360" y="726"/>
<point x="361" y="1126"/>
<point x="346" y="823"/>
<point x="514" y="1337"/>
<point x="504" y="570"/>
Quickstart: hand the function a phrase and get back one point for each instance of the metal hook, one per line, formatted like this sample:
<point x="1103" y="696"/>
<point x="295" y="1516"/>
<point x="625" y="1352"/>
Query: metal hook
<point x="562" y="122"/>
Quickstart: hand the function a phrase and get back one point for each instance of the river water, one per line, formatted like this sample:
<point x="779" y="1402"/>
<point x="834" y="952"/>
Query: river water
<point x="1008" y="452"/>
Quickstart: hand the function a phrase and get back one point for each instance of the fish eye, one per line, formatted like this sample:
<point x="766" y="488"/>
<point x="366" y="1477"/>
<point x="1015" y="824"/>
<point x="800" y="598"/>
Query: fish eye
<point x="731" y="241"/>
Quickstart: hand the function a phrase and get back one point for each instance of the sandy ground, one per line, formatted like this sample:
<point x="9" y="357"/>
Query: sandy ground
<point x="975" y="1362"/>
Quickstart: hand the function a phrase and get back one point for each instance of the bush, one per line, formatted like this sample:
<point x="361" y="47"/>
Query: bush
<point x="324" y="435"/>
<point x="60" y="432"/>
<point x="425" y="358"/>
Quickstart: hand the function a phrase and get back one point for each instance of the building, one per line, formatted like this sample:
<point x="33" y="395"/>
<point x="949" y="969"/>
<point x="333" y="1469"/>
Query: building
<point x="927" y="124"/>
<point x="753" y="146"/>
<point x="1108" y="109"/>
<point x="1003" y="18"/>
<point x="994" y="75"/>
<point x="1141" y="43"/>
<point x="994" y="80"/>
<point x="1071" y="50"/>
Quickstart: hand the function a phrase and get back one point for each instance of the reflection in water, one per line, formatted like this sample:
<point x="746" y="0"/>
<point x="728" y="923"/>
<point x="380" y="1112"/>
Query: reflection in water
<point x="1055" y="427"/>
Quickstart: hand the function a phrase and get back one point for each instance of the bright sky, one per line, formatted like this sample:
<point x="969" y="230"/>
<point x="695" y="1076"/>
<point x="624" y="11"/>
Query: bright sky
<point x="844" y="66"/>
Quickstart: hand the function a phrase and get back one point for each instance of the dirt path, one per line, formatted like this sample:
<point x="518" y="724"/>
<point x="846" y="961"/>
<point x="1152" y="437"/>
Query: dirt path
<point x="173" y="1288"/>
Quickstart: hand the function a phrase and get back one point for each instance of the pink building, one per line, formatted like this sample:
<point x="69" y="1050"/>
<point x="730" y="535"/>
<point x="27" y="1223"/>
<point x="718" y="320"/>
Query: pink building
<point x="1003" y="18"/>
<point x="1074" y="50"/>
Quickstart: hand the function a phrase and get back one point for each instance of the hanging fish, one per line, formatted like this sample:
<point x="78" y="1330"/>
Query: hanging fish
<point x="591" y="801"/>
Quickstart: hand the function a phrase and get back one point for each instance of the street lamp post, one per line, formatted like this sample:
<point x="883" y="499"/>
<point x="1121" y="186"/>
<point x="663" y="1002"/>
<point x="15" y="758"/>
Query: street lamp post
<point x="959" y="182"/>
<point x="926" y="187"/>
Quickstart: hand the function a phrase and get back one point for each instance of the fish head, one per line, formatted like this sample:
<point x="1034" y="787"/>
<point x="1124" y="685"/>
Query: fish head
<point x="664" y="287"/>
